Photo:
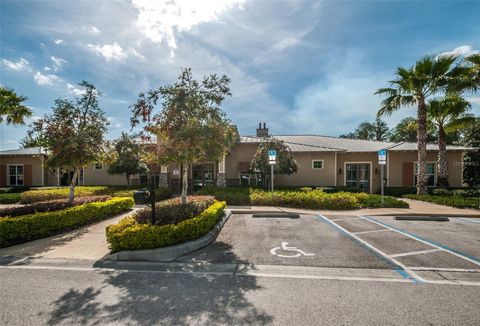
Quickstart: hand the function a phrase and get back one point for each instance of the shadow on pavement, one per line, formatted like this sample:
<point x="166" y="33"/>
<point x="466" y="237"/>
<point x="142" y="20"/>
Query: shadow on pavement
<point x="147" y="298"/>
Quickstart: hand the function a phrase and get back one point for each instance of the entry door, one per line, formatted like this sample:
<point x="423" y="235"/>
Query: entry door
<point x="203" y="175"/>
<point x="358" y="176"/>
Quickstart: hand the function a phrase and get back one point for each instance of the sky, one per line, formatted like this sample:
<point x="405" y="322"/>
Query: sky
<point x="308" y="67"/>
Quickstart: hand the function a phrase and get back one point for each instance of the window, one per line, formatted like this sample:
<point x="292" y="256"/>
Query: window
<point x="317" y="164"/>
<point x="15" y="175"/>
<point x="98" y="166"/>
<point x="430" y="172"/>
<point x="244" y="179"/>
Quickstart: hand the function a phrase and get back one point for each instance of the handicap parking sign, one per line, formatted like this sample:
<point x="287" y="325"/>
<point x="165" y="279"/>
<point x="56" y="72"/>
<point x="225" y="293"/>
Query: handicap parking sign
<point x="272" y="152"/>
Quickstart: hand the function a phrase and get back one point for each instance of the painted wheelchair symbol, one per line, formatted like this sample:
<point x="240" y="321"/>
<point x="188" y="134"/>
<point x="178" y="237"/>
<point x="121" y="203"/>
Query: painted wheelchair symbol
<point x="285" y="247"/>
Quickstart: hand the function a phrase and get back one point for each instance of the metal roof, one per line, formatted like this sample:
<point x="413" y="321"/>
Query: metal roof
<point x="317" y="143"/>
<point x="24" y="151"/>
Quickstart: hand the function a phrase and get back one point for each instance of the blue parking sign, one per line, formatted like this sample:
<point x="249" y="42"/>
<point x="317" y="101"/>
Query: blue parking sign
<point x="272" y="152"/>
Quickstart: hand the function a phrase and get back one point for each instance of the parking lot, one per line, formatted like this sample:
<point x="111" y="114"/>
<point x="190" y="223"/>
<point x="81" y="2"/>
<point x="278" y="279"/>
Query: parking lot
<point x="419" y="251"/>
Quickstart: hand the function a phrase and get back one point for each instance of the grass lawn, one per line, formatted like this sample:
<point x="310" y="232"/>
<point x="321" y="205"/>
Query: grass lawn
<point x="454" y="201"/>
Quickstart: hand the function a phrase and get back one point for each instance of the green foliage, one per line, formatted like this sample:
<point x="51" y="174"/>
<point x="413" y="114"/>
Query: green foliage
<point x="471" y="165"/>
<point x="40" y="195"/>
<point x="310" y="199"/>
<point x="172" y="211"/>
<point x="23" y="228"/>
<point x="441" y="192"/>
<point x="454" y="201"/>
<point x="399" y="191"/>
<point x="191" y="126"/>
<point x="406" y="130"/>
<point x="9" y="198"/>
<point x="127" y="157"/>
<point x="286" y="164"/>
<point x="12" y="109"/>
<point x="378" y="130"/>
<point x="128" y="234"/>
<point x="50" y="206"/>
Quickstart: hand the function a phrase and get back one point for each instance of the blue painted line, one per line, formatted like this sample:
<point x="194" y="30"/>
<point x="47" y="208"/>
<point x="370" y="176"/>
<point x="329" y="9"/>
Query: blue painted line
<point x="397" y="268"/>
<point x="476" y="259"/>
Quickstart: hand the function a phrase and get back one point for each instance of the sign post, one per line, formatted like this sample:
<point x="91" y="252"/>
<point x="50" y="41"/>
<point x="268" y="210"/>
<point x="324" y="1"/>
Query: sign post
<point x="272" y="160"/>
<point x="382" y="160"/>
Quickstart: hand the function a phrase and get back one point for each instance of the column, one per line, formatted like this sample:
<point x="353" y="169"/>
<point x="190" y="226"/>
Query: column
<point x="221" y="177"/>
<point x="163" y="182"/>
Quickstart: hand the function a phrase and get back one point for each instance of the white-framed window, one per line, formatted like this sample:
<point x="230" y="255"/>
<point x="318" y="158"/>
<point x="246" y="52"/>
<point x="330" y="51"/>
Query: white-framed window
<point x="15" y="175"/>
<point x="431" y="172"/>
<point x="317" y="164"/>
<point x="98" y="166"/>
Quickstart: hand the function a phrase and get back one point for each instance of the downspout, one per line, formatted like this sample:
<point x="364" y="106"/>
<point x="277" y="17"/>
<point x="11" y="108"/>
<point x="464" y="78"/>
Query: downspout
<point x="43" y="172"/>
<point x="388" y="169"/>
<point x="58" y="177"/>
<point x="336" y="172"/>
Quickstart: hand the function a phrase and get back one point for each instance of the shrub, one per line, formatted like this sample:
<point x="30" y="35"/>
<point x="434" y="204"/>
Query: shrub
<point x="34" y="226"/>
<point x="50" y="206"/>
<point x="40" y="195"/>
<point x="172" y="211"/>
<point x="441" y="192"/>
<point x="128" y="234"/>
<point x="332" y="190"/>
<point x="460" y="193"/>
<point x="399" y="191"/>
<point x="314" y="199"/>
<point x="454" y="201"/>
<point x="9" y="198"/>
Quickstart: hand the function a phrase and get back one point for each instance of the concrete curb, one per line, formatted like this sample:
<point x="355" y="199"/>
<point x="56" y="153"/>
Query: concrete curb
<point x="168" y="254"/>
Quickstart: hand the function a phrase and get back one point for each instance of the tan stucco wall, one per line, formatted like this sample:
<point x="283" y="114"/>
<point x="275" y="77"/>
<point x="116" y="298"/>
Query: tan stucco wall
<point x="396" y="160"/>
<point x="34" y="161"/>
<point x="94" y="177"/>
<point x="240" y="153"/>
<point x="306" y="175"/>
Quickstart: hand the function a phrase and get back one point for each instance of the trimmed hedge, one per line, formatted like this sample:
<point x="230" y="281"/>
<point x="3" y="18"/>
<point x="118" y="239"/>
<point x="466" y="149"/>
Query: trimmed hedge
<point x="9" y="198"/>
<point x="172" y="211"/>
<point x="50" y="206"/>
<point x="454" y="201"/>
<point x="306" y="198"/>
<point x="128" y="234"/>
<point x="40" y="195"/>
<point x="24" y="228"/>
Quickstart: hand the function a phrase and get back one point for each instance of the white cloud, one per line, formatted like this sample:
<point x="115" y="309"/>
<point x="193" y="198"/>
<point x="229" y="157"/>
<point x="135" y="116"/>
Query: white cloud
<point x="114" y="51"/>
<point x="74" y="90"/>
<point x="42" y="79"/>
<point x="159" y="20"/>
<point x="94" y="30"/>
<point x="109" y="51"/>
<point x="58" y="41"/>
<point x="474" y="100"/>
<point x="21" y="64"/>
<point x="47" y="68"/>
<point x="114" y="122"/>
<point x="57" y="63"/>
<point x="462" y="51"/>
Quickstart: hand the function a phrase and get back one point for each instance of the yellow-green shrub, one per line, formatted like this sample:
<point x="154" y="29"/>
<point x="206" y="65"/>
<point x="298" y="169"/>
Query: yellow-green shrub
<point x="34" y="226"/>
<point x="130" y="235"/>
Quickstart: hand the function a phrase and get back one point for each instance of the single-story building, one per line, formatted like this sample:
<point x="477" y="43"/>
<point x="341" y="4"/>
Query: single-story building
<point x="322" y="161"/>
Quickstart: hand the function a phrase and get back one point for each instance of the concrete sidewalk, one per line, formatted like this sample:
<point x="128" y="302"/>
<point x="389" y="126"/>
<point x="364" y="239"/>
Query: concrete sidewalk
<point x="88" y="242"/>
<point x="416" y="208"/>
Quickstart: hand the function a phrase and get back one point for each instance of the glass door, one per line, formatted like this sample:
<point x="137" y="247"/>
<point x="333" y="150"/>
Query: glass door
<point x="358" y="176"/>
<point x="203" y="175"/>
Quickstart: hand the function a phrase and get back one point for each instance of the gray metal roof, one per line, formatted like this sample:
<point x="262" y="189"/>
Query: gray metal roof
<point x="24" y="151"/>
<point x="317" y="143"/>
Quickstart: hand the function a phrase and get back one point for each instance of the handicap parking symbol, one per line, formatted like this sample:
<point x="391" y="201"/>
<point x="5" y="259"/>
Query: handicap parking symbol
<point x="295" y="252"/>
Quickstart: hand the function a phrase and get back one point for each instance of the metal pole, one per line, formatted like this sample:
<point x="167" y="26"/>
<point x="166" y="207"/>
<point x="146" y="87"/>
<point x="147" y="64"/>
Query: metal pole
<point x="382" y="182"/>
<point x="152" y="200"/>
<point x="271" y="178"/>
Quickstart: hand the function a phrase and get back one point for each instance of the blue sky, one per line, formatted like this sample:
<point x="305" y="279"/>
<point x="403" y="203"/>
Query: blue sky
<point x="302" y="67"/>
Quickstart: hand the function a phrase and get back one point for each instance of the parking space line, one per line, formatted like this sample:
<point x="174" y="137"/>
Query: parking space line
<point x="372" y="231"/>
<point x="345" y="219"/>
<point x="467" y="219"/>
<point x="411" y="253"/>
<point x="399" y="267"/>
<point x="452" y="251"/>
<point x="444" y="269"/>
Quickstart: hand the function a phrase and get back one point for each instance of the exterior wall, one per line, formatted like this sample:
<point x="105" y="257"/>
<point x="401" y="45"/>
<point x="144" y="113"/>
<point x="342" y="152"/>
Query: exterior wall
<point x="306" y="175"/>
<point x="240" y="153"/>
<point x="396" y="160"/>
<point x="92" y="177"/>
<point x="34" y="161"/>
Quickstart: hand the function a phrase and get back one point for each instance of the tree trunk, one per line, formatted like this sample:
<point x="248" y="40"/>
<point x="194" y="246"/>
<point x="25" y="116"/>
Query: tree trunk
<point x="442" y="181"/>
<point x="71" y="195"/>
<point x="128" y="179"/>
<point x="184" y="183"/>
<point x="422" y="188"/>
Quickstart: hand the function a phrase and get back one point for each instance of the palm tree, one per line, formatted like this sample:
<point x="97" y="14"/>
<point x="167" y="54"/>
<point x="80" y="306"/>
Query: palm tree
<point x="11" y="108"/>
<point x="449" y="114"/>
<point x="413" y="87"/>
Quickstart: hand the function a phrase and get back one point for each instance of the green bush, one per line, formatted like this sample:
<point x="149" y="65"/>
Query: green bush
<point x="40" y="195"/>
<point x="399" y="191"/>
<point x="454" y="201"/>
<point x="172" y="211"/>
<point x="313" y="199"/>
<point x="128" y="234"/>
<point x="34" y="226"/>
<point x="441" y="192"/>
<point x="9" y="198"/>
